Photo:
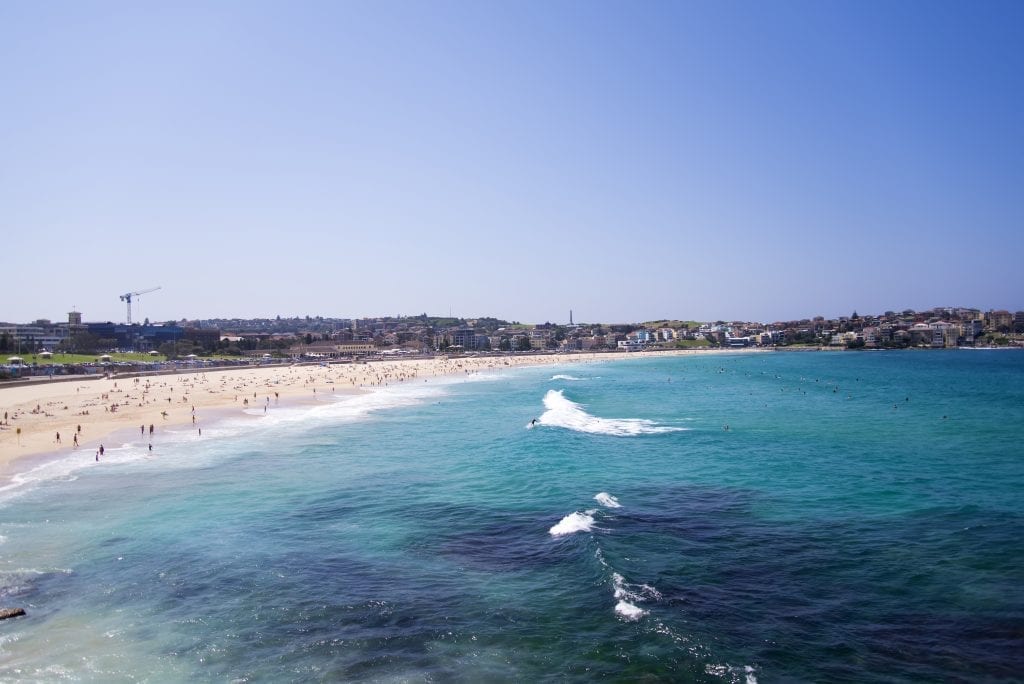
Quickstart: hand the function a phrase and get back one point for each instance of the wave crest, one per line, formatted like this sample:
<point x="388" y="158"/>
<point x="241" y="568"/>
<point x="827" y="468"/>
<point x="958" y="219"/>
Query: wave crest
<point x="562" y="412"/>
<point x="572" y="523"/>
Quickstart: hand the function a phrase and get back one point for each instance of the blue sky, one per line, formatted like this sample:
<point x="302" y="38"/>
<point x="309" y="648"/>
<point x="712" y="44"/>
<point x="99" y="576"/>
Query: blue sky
<point x="631" y="161"/>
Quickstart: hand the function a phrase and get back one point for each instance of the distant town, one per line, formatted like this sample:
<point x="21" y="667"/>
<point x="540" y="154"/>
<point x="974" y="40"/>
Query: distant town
<point x="331" y="338"/>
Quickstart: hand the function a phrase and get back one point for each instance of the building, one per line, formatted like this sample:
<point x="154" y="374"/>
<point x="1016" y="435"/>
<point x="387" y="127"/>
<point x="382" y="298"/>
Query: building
<point x="355" y="348"/>
<point x="135" y="336"/>
<point x="1000" y="321"/>
<point x="464" y="337"/>
<point x="34" y="337"/>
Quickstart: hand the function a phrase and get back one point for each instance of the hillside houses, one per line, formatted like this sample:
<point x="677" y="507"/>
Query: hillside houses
<point x="319" y="337"/>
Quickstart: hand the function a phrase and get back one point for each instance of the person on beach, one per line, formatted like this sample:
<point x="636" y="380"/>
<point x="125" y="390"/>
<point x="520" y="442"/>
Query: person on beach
<point x="74" y="439"/>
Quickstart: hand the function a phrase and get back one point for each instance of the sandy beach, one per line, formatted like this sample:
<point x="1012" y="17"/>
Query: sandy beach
<point x="86" y="413"/>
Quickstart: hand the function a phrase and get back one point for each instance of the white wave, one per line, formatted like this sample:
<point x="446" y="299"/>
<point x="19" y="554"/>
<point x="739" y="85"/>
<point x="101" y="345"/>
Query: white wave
<point x="179" y="447"/>
<point x="565" y="413"/>
<point x="730" y="672"/>
<point x="572" y="523"/>
<point x="633" y="592"/>
<point x="607" y="500"/>
<point x="478" y="376"/>
<point x="627" y="610"/>
<point x="629" y="595"/>
<point x="565" y="377"/>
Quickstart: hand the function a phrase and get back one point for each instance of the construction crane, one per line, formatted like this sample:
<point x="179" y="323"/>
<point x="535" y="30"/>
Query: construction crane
<point x="127" y="297"/>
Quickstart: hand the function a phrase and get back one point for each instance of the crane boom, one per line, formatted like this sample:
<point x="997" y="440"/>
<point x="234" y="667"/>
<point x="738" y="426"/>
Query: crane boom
<point x="127" y="297"/>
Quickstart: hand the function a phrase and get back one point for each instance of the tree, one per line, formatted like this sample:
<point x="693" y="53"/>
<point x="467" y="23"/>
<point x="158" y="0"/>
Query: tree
<point x="168" y="349"/>
<point x="84" y="343"/>
<point x="523" y="343"/>
<point x="505" y="344"/>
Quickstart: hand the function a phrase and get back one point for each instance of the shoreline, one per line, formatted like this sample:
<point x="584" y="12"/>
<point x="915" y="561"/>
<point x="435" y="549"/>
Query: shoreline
<point x="99" y="411"/>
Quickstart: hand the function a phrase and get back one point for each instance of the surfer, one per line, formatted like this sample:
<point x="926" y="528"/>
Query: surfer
<point x="533" y="422"/>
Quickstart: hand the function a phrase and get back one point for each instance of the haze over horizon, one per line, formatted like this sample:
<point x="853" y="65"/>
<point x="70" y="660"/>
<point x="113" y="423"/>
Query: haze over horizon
<point x="699" y="161"/>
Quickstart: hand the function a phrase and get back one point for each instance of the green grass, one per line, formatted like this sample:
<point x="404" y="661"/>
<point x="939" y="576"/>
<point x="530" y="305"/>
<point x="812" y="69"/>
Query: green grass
<point x="692" y="344"/>
<point x="60" y="359"/>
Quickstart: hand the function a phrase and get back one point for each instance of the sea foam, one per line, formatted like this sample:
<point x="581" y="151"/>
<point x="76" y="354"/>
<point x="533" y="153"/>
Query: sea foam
<point x="629" y="595"/>
<point x="607" y="500"/>
<point x="181" y="447"/>
<point x="565" y="413"/>
<point x="565" y="377"/>
<point x="572" y="523"/>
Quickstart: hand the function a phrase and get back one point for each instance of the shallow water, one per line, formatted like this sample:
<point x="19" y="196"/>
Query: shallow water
<point x="859" y="520"/>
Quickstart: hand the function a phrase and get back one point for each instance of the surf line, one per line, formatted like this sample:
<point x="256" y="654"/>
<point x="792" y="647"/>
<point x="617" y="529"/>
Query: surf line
<point x="627" y="595"/>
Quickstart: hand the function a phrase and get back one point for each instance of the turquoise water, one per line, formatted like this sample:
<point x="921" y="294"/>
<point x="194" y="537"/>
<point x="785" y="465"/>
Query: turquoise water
<point x="859" y="520"/>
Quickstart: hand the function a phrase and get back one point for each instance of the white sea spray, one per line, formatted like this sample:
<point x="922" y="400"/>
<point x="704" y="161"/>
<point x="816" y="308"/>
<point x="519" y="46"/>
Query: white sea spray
<point x="565" y="413"/>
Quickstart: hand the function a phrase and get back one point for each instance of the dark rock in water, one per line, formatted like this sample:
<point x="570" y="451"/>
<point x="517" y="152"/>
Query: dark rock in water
<point x="11" y="612"/>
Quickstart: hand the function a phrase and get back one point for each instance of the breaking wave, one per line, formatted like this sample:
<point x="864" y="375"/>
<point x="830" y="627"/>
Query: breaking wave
<point x="565" y="413"/>
<point x="572" y="523"/>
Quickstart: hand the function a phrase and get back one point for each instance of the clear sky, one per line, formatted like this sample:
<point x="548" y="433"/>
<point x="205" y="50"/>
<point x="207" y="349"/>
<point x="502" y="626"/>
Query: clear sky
<point x="628" y="160"/>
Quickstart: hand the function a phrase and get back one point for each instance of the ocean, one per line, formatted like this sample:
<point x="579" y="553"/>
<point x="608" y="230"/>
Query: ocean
<point x="794" y="517"/>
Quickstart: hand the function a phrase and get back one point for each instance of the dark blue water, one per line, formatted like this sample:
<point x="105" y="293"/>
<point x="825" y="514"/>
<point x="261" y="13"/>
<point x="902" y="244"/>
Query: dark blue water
<point x="763" y="517"/>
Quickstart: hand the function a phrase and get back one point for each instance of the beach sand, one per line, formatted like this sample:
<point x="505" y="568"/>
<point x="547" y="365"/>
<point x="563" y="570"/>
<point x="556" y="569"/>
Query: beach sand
<point x="95" y="409"/>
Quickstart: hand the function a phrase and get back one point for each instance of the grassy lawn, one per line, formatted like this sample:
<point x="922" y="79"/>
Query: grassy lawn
<point x="692" y="344"/>
<point x="59" y="358"/>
